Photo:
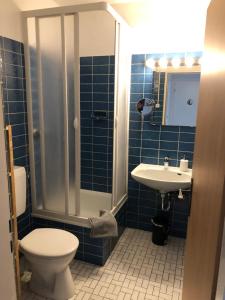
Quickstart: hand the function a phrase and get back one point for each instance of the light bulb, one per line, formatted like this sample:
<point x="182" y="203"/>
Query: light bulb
<point x="163" y="62"/>
<point x="150" y="63"/>
<point x="189" y="61"/>
<point x="200" y="61"/>
<point x="176" y="62"/>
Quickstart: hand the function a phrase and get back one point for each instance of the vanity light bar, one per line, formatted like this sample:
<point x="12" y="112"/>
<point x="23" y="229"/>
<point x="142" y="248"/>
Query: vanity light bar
<point x="163" y="62"/>
<point x="175" y="62"/>
<point x="189" y="61"/>
<point x="150" y="63"/>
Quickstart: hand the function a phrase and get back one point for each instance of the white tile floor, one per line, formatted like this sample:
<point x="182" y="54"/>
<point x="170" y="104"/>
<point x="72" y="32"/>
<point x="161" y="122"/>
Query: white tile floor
<point x="136" y="269"/>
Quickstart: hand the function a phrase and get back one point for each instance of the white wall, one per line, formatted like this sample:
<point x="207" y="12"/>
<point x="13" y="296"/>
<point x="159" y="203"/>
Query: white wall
<point x="7" y="281"/>
<point x="10" y="15"/>
<point x="160" y="25"/>
<point x="156" y="26"/>
<point x="10" y="20"/>
<point x="97" y="33"/>
<point x="10" y="26"/>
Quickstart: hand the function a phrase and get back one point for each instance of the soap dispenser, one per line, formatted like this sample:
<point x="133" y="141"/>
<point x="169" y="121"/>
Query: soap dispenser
<point x="184" y="164"/>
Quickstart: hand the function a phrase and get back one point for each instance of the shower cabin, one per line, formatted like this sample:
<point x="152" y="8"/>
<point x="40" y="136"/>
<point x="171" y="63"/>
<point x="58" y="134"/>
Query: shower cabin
<point x="77" y="72"/>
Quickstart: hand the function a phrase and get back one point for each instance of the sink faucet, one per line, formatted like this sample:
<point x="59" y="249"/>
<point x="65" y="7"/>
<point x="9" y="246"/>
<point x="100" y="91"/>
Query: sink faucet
<point x="166" y="162"/>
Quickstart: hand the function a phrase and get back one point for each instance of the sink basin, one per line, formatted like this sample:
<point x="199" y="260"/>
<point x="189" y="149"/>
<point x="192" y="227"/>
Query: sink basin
<point x="159" y="178"/>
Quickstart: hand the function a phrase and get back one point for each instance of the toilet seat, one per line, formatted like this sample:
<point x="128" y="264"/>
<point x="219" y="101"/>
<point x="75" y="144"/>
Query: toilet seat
<point x="49" y="242"/>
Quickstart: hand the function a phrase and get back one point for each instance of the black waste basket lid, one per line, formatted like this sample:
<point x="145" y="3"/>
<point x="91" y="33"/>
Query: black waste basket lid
<point x="160" y="220"/>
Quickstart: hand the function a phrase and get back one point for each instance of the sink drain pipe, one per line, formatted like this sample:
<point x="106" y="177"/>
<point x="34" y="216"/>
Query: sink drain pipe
<point x="164" y="206"/>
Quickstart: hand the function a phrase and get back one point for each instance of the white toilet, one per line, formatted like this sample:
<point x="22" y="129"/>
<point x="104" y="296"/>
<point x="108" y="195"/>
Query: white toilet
<point x="48" y="251"/>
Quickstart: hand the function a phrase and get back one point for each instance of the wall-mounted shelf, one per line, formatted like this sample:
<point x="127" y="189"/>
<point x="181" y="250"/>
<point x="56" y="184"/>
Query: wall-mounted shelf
<point x="99" y="115"/>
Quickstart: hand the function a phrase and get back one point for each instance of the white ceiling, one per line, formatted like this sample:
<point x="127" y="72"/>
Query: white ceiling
<point x="74" y="2"/>
<point x="34" y="4"/>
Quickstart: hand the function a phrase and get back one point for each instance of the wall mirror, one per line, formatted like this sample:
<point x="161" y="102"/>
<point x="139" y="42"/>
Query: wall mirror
<point x="176" y="92"/>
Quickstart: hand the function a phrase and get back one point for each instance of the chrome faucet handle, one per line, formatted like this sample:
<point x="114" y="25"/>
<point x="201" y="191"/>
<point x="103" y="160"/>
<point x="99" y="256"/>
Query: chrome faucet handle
<point x="166" y="162"/>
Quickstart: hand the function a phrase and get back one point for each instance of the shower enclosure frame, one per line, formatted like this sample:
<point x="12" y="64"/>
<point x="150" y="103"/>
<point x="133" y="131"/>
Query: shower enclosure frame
<point x="122" y="74"/>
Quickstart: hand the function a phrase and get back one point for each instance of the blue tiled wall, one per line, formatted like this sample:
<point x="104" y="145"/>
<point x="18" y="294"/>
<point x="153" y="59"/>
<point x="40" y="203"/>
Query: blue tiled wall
<point x="151" y="145"/>
<point x="97" y="94"/>
<point x="15" y="112"/>
<point x="97" y="77"/>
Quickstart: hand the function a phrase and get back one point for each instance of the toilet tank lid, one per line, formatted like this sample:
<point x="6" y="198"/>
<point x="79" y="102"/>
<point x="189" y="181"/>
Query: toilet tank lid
<point x="19" y="169"/>
<point x="49" y="242"/>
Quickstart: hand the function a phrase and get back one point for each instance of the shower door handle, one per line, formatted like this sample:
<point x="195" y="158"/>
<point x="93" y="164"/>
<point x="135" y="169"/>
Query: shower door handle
<point x="116" y="122"/>
<point x="36" y="132"/>
<point x="75" y="123"/>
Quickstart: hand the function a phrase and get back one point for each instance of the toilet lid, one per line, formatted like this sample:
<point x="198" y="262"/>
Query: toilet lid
<point x="49" y="242"/>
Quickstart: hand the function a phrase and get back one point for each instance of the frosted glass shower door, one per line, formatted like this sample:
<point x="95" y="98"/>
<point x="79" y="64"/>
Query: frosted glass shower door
<point x="53" y="61"/>
<point x="120" y="163"/>
<point x="52" y="133"/>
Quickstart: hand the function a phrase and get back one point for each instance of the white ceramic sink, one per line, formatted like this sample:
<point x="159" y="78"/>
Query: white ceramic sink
<point x="159" y="178"/>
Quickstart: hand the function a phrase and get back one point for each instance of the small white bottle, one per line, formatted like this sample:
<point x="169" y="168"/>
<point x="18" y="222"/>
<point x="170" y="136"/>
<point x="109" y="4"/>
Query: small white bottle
<point x="184" y="164"/>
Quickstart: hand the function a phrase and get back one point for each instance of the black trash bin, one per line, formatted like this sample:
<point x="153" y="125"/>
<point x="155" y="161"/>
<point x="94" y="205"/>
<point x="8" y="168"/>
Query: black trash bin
<point x="160" y="230"/>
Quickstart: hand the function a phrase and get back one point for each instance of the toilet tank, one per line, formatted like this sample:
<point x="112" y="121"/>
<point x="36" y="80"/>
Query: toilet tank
<point x="20" y="189"/>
